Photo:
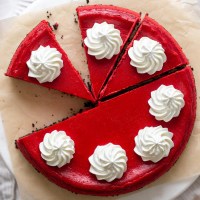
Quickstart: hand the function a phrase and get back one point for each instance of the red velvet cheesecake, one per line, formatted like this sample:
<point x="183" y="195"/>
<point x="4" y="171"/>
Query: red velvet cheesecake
<point x="126" y="75"/>
<point x="123" y="19"/>
<point x="69" y="81"/>
<point x="124" y="142"/>
<point x="118" y="121"/>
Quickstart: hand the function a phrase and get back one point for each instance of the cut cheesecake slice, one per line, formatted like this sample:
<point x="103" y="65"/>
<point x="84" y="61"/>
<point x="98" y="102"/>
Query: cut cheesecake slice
<point x="69" y="80"/>
<point x="118" y="121"/>
<point x="126" y="75"/>
<point x="123" y="19"/>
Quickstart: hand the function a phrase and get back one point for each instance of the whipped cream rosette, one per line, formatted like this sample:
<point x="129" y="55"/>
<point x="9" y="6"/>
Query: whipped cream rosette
<point x="103" y="41"/>
<point x="57" y="148"/>
<point x="45" y="64"/>
<point x="147" y="56"/>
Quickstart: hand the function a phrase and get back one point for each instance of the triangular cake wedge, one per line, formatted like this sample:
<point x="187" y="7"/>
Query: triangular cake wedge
<point x="123" y="19"/>
<point x="69" y="81"/>
<point x="118" y="121"/>
<point x="126" y="75"/>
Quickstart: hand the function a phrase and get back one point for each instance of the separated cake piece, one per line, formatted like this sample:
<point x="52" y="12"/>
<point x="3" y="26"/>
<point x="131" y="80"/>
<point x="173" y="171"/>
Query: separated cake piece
<point x="39" y="59"/>
<point x="105" y="30"/>
<point x="152" y="52"/>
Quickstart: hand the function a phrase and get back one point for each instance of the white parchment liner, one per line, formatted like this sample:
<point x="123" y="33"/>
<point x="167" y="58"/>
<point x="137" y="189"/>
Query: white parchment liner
<point x="24" y="105"/>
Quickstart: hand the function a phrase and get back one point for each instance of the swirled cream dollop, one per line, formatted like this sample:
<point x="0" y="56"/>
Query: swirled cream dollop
<point x="57" y="148"/>
<point x="108" y="162"/>
<point x="103" y="40"/>
<point x="166" y="102"/>
<point x="153" y="143"/>
<point x="147" y="56"/>
<point x="45" y="64"/>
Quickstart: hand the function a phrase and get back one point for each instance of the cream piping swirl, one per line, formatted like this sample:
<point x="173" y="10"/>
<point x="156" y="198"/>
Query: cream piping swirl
<point x="147" y="56"/>
<point x="166" y="102"/>
<point x="153" y="143"/>
<point x="57" y="148"/>
<point x="103" y="41"/>
<point x="108" y="162"/>
<point x="45" y="64"/>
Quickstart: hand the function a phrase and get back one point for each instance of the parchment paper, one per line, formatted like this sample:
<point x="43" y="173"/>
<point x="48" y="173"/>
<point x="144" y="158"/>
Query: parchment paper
<point x="25" y="107"/>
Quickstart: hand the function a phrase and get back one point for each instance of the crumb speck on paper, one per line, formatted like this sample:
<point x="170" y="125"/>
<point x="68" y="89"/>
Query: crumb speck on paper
<point x="55" y="26"/>
<point x="75" y="20"/>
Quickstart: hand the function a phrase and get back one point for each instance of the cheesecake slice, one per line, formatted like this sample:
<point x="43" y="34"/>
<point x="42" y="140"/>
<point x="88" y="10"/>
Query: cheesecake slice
<point x="69" y="81"/>
<point x="160" y="45"/>
<point x="123" y="20"/>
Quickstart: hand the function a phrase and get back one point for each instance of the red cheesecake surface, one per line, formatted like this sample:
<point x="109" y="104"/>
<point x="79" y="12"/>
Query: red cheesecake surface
<point x="117" y="120"/>
<point x="123" y="19"/>
<point x="126" y="75"/>
<point x="69" y="80"/>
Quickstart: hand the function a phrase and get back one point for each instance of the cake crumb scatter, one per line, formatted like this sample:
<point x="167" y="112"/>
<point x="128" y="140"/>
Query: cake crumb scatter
<point x="81" y="110"/>
<point x="16" y="144"/>
<point x="55" y="26"/>
<point x="75" y="20"/>
<point x="88" y="104"/>
<point x="49" y="14"/>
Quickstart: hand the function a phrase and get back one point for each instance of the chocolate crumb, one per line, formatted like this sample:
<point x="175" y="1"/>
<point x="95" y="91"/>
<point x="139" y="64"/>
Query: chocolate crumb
<point x="33" y="125"/>
<point x="16" y="144"/>
<point x="80" y="111"/>
<point x="20" y="91"/>
<point x="48" y="16"/>
<point x="37" y="170"/>
<point x="55" y="26"/>
<point x="89" y="104"/>
<point x="61" y="37"/>
<point x="64" y="118"/>
<point x="47" y="11"/>
<point x="75" y="21"/>
<point x="89" y="86"/>
<point x="87" y="1"/>
<point x="192" y="68"/>
<point x="52" y="115"/>
<point x="71" y="109"/>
